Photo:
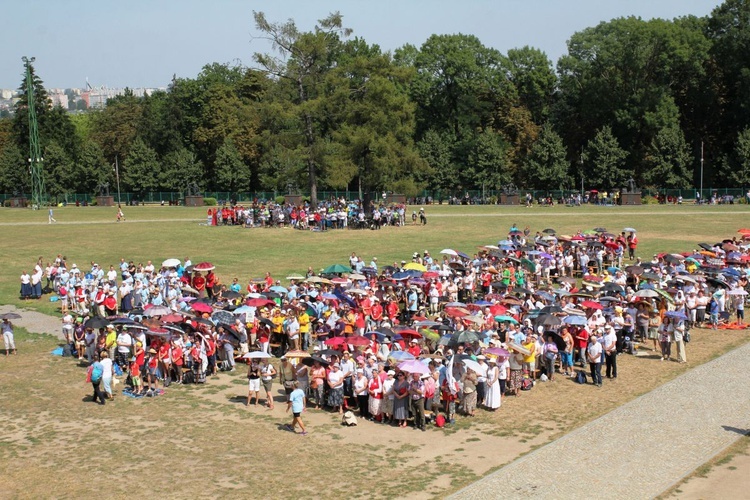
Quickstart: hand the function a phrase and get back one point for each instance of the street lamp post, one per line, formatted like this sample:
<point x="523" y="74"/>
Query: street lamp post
<point x="117" y="176"/>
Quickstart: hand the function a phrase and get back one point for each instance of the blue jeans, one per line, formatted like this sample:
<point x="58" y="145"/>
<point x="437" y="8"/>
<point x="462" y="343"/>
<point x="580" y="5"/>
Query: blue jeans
<point x="596" y="373"/>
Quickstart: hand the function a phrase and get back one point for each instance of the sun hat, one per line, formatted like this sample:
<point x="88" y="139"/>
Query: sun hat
<point x="152" y="351"/>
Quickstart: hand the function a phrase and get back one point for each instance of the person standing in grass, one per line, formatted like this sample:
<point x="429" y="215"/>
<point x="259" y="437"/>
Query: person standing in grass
<point x="297" y="404"/>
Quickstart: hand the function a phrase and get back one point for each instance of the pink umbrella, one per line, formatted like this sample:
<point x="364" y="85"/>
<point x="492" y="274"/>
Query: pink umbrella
<point x="497" y="351"/>
<point x="414" y="366"/>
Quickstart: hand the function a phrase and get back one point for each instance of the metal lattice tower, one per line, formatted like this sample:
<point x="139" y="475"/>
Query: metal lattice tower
<point x="38" y="194"/>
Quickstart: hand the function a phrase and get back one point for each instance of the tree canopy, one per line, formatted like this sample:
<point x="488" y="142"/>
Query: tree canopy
<point x="323" y="109"/>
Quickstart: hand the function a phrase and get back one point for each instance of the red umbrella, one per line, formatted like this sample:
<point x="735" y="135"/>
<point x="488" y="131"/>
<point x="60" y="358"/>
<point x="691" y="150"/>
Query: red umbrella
<point x="202" y="307"/>
<point x="410" y="333"/>
<point x="172" y="318"/>
<point x="744" y="231"/>
<point x="357" y="340"/>
<point x="456" y="312"/>
<point x="259" y="302"/>
<point x="204" y="266"/>
<point x="590" y="304"/>
<point x="430" y="274"/>
<point x="498" y="309"/>
<point x="334" y="341"/>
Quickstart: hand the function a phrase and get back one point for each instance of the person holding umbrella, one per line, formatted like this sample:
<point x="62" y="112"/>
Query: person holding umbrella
<point x="8" y="339"/>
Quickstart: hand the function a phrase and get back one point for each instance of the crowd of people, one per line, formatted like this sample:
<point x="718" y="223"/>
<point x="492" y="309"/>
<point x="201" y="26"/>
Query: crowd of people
<point x="334" y="214"/>
<point x="415" y="341"/>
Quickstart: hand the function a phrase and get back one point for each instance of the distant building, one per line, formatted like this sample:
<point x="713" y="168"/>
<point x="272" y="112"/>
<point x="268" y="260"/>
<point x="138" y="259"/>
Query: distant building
<point x="59" y="99"/>
<point x="6" y="93"/>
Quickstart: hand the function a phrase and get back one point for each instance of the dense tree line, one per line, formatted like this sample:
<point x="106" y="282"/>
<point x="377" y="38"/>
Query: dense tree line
<point x="325" y="110"/>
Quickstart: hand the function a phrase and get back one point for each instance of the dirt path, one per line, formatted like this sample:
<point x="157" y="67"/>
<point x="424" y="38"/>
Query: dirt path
<point x="35" y="322"/>
<point x="642" y="448"/>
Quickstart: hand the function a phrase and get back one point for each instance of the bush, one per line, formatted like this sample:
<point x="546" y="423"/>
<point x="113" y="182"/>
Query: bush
<point x="279" y="200"/>
<point x="210" y="202"/>
<point x="649" y="200"/>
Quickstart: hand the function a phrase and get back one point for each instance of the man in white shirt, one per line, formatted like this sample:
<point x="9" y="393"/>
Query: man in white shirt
<point x="610" y="351"/>
<point x="67" y="328"/>
<point x="594" y="357"/>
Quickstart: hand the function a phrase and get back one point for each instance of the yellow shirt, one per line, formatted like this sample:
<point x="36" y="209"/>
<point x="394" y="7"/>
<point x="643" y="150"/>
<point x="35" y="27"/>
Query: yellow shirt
<point x="111" y="339"/>
<point x="304" y="322"/>
<point x="531" y="346"/>
<point x="278" y="322"/>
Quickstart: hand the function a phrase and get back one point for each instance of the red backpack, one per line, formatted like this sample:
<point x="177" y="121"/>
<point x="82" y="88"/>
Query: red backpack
<point x="440" y="421"/>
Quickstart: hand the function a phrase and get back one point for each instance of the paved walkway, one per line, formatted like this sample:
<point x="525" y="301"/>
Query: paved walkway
<point x="642" y="448"/>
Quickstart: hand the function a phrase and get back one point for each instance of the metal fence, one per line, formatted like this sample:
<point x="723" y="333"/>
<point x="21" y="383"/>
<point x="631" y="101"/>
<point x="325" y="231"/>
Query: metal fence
<point x="426" y="196"/>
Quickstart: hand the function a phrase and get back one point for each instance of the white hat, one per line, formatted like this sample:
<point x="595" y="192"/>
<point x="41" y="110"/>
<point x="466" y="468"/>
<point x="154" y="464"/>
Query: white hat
<point x="481" y="356"/>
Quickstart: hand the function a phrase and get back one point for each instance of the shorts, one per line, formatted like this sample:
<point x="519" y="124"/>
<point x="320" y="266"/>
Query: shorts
<point x="741" y="313"/>
<point x="297" y="414"/>
<point x="136" y="381"/>
<point x="253" y="385"/>
<point x="267" y="385"/>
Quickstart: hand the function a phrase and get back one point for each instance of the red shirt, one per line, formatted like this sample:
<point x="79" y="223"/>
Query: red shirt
<point x="177" y="356"/>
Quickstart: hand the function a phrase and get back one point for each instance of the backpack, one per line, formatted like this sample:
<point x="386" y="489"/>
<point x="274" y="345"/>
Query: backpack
<point x="440" y="421"/>
<point x="96" y="373"/>
<point x="526" y="384"/>
<point x="581" y="378"/>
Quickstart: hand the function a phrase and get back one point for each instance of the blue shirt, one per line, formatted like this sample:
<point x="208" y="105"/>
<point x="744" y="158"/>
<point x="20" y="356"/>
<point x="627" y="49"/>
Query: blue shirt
<point x="297" y="397"/>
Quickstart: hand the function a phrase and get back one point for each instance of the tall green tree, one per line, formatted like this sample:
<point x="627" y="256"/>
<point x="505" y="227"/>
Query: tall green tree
<point x="488" y="163"/>
<point x="737" y="169"/>
<point x="305" y="58"/>
<point x="669" y="160"/>
<point x="115" y="128"/>
<point x="179" y="169"/>
<point x="533" y="76"/>
<point x="547" y="165"/>
<point x="372" y="123"/>
<point x="604" y="162"/>
<point x="14" y="170"/>
<point x="141" y="168"/>
<point x="437" y="150"/>
<point x="232" y="174"/>
<point x="60" y="168"/>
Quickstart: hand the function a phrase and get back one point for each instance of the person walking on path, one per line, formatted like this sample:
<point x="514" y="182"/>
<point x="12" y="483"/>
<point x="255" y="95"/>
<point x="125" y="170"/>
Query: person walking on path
<point x="8" y="339"/>
<point x="297" y="404"/>
<point x="50" y="217"/>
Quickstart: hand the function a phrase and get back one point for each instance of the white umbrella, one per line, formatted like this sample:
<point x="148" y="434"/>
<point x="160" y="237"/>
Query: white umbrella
<point x="736" y="291"/>
<point x="646" y="293"/>
<point x="448" y="251"/>
<point x="355" y="277"/>
<point x="629" y="230"/>
<point x="157" y="311"/>
<point x="295" y="277"/>
<point x="171" y="263"/>
<point x="256" y="355"/>
<point x="472" y="365"/>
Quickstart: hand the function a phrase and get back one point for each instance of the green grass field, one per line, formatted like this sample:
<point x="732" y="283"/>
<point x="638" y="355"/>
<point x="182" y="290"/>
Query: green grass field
<point x="90" y="234"/>
<point x="201" y="439"/>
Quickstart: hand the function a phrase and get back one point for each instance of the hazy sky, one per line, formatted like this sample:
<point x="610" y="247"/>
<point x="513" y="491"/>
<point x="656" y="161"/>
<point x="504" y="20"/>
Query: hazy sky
<point x="142" y="43"/>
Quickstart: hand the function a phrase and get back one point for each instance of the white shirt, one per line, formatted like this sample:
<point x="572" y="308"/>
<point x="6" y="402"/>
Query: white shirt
<point x="594" y="350"/>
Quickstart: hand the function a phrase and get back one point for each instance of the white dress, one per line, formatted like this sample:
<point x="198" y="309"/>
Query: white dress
<point x="492" y="398"/>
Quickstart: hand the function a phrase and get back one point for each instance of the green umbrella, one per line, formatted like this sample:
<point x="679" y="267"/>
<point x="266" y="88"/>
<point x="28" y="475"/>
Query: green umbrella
<point x="509" y="319"/>
<point x="337" y="269"/>
<point x="665" y="295"/>
<point x="530" y="265"/>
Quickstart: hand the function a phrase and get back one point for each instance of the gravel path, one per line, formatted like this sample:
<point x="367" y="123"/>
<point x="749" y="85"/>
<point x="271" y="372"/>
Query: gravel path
<point x="640" y="449"/>
<point x="35" y="322"/>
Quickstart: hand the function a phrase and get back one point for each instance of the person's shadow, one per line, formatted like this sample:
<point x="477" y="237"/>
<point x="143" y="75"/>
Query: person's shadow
<point x="729" y="428"/>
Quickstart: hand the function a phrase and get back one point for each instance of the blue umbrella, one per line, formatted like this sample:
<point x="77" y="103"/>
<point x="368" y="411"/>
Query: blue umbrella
<point x="401" y="355"/>
<point x="279" y="289"/>
<point x="243" y="310"/>
<point x="378" y="336"/>
<point x="575" y="320"/>
<point x="482" y="303"/>
<point x="401" y="275"/>
<point x="504" y="243"/>
<point x="465" y="256"/>
<point x="676" y="315"/>
<point x="729" y="270"/>
<point x="533" y="252"/>
<point x="613" y="269"/>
